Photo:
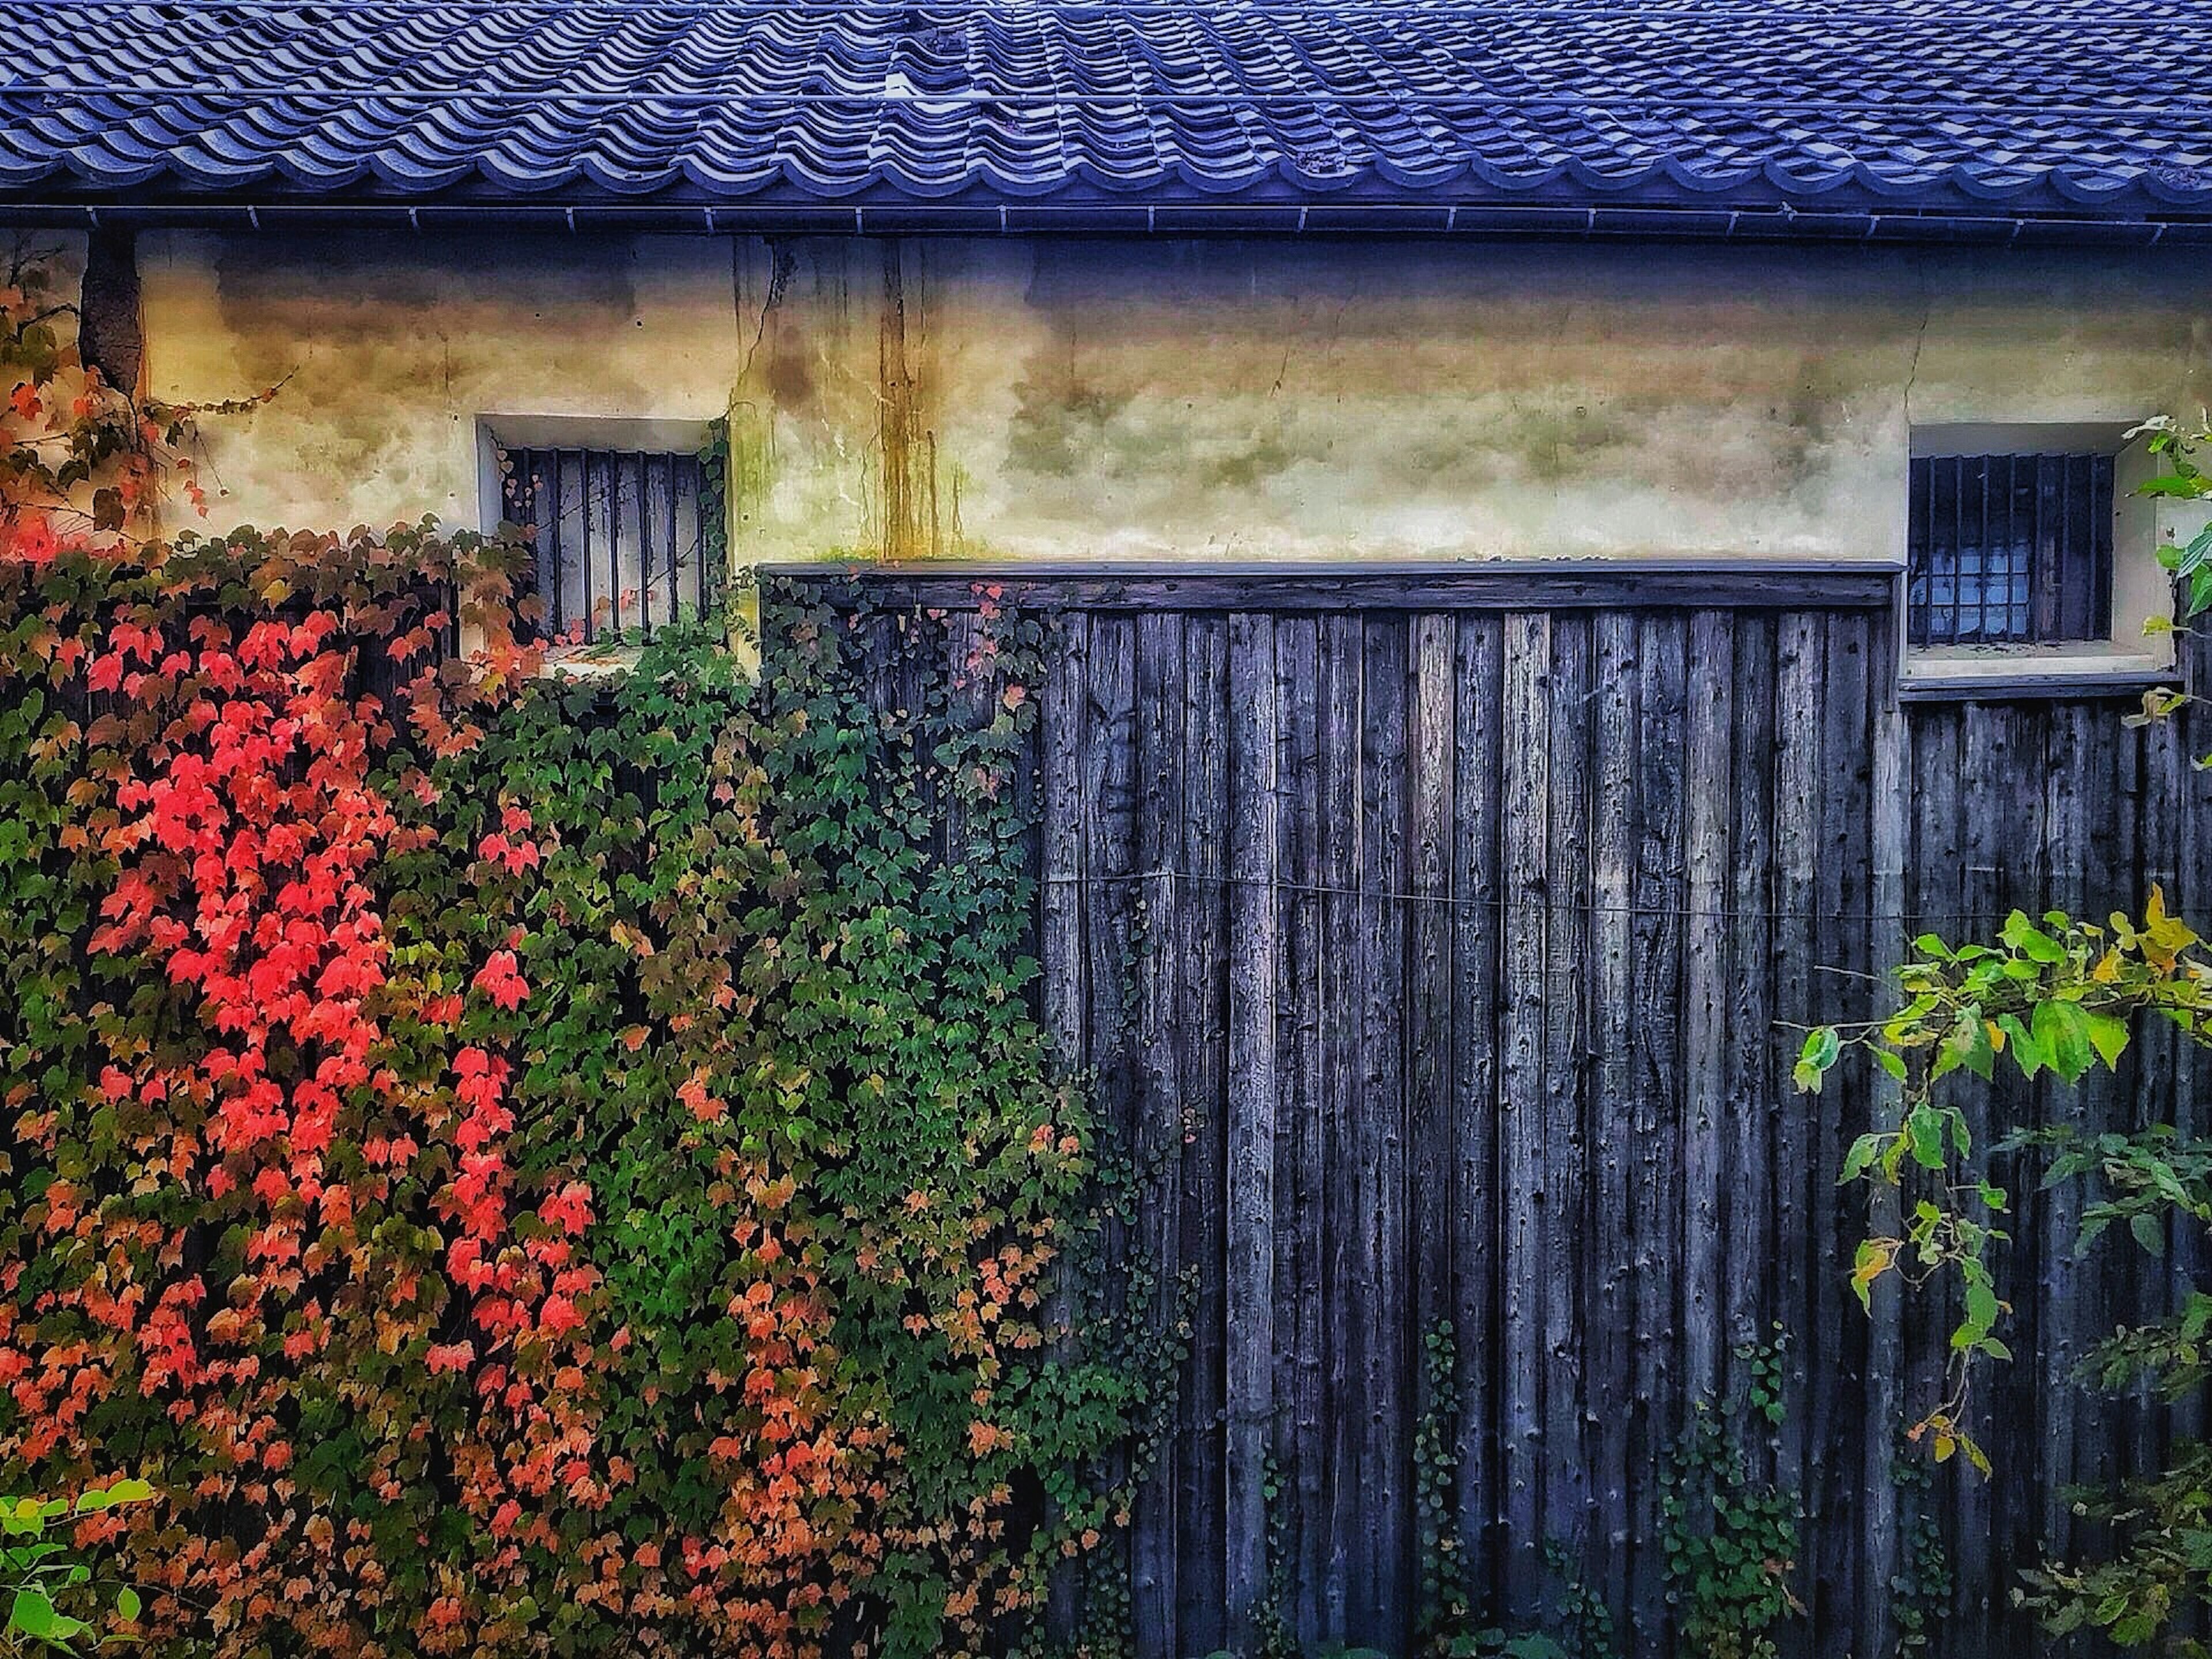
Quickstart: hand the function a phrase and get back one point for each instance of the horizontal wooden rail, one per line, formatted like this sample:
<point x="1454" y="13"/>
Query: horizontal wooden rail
<point x="1552" y="584"/>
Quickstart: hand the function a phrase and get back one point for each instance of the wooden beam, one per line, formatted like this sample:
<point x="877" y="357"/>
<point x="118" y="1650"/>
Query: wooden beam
<point x="1553" y="585"/>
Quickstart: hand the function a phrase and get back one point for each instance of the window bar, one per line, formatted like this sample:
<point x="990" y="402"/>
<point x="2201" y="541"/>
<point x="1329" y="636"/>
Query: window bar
<point x="1959" y="563"/>
<point x="660" y="548"/>
<point x="1916" y="554"/>
<point x="629" y="506"/>
<point x="675" y="593"/>
<point x="547" y="511"/>
<point x="610" y="528"/>
<point x="575" y="548"/>
<point x="686" y="475"/>
<point x="2020" y="558"/>
<point x="586" y="617"/>
<point x="1941" y="559"/>
<point x="2101" y="540"/>
<point x="2043" y="547"/>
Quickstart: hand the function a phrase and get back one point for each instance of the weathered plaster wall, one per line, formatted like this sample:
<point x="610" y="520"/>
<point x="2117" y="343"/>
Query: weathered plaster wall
<point x="1174" y="400"/>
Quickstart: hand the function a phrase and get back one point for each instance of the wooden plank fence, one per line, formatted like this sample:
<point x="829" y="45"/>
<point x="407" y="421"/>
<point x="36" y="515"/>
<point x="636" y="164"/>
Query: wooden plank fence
<point x="1436" y="949"/>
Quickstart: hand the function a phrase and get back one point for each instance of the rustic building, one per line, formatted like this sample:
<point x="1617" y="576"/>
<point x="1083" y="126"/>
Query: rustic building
<point x="1570" y="524"/>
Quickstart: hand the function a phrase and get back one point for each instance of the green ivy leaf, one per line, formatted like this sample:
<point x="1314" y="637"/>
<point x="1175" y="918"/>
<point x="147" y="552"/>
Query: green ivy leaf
<point x="2031" y="941"/>
<point x="2063" y="1034"/>
<point x="1818" y="1052"/>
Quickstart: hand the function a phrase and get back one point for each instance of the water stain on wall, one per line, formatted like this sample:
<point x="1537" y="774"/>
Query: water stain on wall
<point x="904" y="399"/>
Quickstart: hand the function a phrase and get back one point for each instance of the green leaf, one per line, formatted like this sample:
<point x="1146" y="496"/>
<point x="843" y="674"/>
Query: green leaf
<point x="2031" y="941"/>
<point x="2025" y="1051"/>
<point x="1924" y="1124"/>
<point x="1860" y="1158"/>
<point x="1818" y="1052"/>
<point x="2061" y="1031"/>
<point x="2109" y="1036"/>
<point x="127" y="1605"/>
<point x="1874" y="1258"/>
<point x="33" y="1614"/>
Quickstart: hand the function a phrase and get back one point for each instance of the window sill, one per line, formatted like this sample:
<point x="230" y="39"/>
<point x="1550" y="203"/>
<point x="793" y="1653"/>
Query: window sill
<point x="588" y="662"/>
<point x="1999" y="673"/>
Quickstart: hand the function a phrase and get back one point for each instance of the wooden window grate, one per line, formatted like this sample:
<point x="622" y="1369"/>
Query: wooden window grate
<point x="2009" y="549"/>
<point x="617" y="538"/>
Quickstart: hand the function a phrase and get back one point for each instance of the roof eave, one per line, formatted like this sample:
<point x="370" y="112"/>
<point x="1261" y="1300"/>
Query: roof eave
<point x="2137" y="223"/>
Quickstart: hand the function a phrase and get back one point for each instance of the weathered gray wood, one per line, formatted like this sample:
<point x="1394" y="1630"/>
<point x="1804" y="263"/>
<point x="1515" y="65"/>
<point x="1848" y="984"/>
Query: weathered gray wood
<point x="1301" y="1443"/>
<point x="1061" y="823"/>
<point x="1198" y="1022"/>
<point x="1800" y="786"/>
<point x="1187" y="587"/>
<point x="1430" y="1164"/>
<point x="1748" y="1127"/>
<point x="2059" y="1346"/>
<point x="1431" y="963"/>
<point x="1835" y="1341"/>
<point x="1611" y="1292"/>
<point x="1379" y="1316"/>
<point x="1253" y="946"/>
<point x="1344" y="1536"/>
<point x="1061" y="736"/>
<point x="1987" y="784"/>
<point x="1480" y="650"/>
<point x="1893" y="778"/>
<point x="1108" y="916"/>
<point x="1711" y="685"/>
<point x="1160" y="1132"/>
<point x="1561" y="1184"/>
<point x="1525" y="819"/>
<point x="1656" y="1195"/>
<point x="1429" y="1045"/>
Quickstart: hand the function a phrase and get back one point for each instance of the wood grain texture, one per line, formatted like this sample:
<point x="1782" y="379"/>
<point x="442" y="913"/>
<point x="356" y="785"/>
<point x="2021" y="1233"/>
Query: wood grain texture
<point x="1446" y="962"/>
<point x="1253" y="1086"/>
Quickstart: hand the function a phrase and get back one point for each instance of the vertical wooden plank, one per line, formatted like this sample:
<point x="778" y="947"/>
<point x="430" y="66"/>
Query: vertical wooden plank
<point x="2012" y="841"/>
<point x="1302" y="1445"/>
<point x="1799" y="786"/>
<point x="1525" y="822"/>
<point x="1159" y="712"/>
<point x="1063" y="747"/>
<point x="1429" y="978"/>
<point x="1107" y="857"/>
<point x="2180" y="805"/>
<point x="1431" y="1164"/>
<point x="1749" y="1124"/>
<point x="1345" y="1541"/>
<point x="2098" y="1289"/>
<point x="1562" y="1182"/>
<point x="1656" y="1191"/>
<point x="1060" y="820"/>
<point x="1477" y="761"/>
<point x="1989" y="827"/>
<point x="1877" y="1435"/>
<point x="1835" y="1341"/>
<point x="1380" y="1322"/>
<point x="1198" y="1025"/>
<point x="2059" y="1320"/>
<point x="1254" y="952"/>
<point x="1711" y="687"/>
<point x="1611" y="1292"/>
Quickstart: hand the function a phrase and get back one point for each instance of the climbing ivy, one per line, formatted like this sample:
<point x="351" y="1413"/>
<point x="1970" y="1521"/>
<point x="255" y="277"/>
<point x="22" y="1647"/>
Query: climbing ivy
<point x="1731" y="1539"/>
<point x="518" y="1166"/>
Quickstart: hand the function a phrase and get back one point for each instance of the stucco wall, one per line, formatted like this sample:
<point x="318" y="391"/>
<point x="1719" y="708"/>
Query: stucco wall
<point x="1172" y="399"/>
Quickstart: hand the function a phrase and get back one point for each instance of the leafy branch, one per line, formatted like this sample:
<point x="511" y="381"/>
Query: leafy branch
<point x="2058" y="997"/>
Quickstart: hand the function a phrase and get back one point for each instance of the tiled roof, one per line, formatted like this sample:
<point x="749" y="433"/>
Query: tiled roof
<point x="2086" y="107"/>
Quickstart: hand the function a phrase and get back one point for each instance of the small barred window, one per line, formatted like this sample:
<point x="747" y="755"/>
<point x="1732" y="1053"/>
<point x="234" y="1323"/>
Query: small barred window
<point x="617" y="538"/>
<point x="2009" y="549"/>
